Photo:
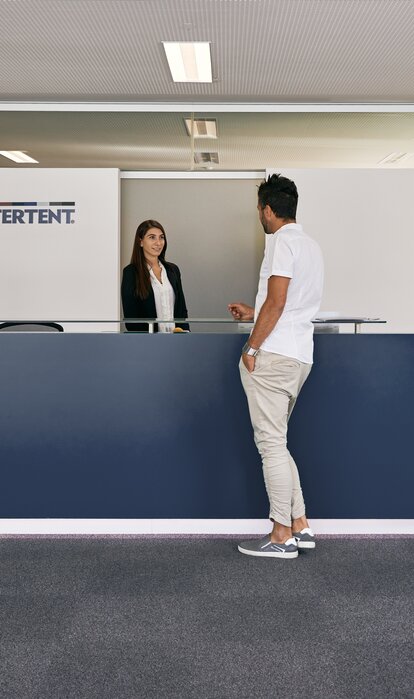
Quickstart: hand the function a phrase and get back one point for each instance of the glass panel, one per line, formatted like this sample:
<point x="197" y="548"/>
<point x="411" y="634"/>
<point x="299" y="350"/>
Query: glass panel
<point x="198" y="325"/>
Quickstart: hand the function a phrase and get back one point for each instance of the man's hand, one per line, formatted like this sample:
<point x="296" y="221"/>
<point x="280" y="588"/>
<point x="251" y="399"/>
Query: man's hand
<point x="241" y="311"/>
<point x="248" y="362"/>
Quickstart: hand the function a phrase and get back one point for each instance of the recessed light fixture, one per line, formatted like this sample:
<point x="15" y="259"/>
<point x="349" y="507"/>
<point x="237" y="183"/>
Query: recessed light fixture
<point x="206" y="158"/>
<point x="18" y="156"/>
<point x="393" y="158"/>
<point x="189" y="62"/>
<point x="203" y="128"/>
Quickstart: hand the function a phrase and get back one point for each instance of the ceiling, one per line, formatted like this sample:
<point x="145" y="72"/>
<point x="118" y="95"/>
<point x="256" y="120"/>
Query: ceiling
<point x="56" y="54"/>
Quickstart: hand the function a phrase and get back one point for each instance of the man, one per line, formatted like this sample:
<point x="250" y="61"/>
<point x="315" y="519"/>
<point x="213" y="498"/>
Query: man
<point x="277" y="359"/>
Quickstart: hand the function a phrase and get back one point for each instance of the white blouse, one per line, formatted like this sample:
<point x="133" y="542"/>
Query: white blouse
<point x="164" y="299"/>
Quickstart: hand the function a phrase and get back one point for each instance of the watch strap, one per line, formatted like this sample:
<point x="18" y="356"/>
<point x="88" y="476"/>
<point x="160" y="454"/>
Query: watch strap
<point x="250" y="351"/>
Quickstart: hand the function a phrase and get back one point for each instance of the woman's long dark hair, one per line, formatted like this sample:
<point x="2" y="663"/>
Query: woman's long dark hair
<point x="143" y="280"/>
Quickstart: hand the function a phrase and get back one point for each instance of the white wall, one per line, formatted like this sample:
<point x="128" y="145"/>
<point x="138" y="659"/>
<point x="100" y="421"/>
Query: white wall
<point x="60" y="271"/>
<point x="364" y="221"/>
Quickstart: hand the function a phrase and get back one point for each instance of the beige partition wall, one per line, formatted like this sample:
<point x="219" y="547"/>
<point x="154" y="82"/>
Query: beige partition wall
<point x="213" y="235"/>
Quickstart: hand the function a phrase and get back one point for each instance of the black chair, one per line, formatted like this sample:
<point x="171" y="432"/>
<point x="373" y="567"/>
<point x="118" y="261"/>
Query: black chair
<point x="27" y="326"/>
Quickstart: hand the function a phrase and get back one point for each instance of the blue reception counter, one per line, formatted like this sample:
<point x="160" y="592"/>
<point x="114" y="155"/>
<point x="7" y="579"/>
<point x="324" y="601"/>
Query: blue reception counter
<point x="156" y="426"/>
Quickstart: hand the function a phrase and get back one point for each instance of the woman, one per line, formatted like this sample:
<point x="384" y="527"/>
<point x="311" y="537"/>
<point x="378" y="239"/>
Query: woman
<point x="151" y="287"/>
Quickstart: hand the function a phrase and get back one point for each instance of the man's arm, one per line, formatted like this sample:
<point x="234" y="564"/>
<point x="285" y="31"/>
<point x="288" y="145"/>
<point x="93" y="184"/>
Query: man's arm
<point x="270" y="312"/>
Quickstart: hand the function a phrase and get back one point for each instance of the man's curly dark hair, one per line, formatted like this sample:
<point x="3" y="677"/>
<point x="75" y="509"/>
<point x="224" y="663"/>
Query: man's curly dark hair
<point x="280" y="194"/>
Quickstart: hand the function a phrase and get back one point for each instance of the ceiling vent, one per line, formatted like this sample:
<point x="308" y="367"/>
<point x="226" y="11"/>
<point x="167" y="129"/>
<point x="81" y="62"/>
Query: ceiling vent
<point x="206" y="158"/>
<point x="203" y="128"/>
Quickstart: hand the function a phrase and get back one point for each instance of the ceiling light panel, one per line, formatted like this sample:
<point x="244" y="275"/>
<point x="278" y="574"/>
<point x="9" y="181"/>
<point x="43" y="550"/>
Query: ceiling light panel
<point x="202" y="128"/>
<point x="18" y="156"/>
<point x="394" y="158"/>
<point x="206" y="158"/>
<point x="189" y="62"/>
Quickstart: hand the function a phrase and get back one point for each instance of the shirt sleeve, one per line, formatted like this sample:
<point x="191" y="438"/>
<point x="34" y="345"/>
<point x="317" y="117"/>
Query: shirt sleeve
<point x="281" y="261"/>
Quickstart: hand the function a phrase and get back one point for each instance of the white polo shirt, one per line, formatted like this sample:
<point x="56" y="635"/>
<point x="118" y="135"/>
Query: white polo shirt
<point x="290" y="252"/>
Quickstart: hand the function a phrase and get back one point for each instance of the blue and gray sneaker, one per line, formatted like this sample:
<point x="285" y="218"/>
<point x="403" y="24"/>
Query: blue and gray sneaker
<point x="305" y="539"/>
<point x="265" y="547"/>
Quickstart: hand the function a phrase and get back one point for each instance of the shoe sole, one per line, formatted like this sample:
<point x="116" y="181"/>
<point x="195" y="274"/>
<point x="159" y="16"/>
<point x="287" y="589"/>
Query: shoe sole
<point x="306" y="544"/>
<point x="268" y="554"/>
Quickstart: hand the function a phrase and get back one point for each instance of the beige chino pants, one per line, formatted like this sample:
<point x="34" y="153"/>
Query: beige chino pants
<point x="271" y="390"/>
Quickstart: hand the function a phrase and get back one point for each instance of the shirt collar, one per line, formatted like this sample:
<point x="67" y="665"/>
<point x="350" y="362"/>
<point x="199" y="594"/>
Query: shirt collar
<point x="161" y="267"/>
<point x="291" y="227"/>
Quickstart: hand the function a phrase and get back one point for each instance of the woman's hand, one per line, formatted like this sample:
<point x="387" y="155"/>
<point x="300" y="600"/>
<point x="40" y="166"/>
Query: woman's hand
<point x="241" y="311"/>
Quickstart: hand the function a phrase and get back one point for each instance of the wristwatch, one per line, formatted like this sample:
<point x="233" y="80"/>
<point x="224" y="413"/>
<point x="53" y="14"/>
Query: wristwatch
<point x="249" y="350"/>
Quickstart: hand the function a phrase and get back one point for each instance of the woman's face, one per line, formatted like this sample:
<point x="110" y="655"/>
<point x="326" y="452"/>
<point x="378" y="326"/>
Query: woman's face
<point x="153" y="242"/>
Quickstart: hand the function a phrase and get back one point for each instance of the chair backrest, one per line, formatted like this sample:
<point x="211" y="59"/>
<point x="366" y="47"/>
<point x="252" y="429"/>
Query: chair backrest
<point x="28" y="327"/>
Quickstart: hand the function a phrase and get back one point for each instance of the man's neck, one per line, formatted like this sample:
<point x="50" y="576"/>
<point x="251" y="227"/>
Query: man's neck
<point x="280" y="222"/>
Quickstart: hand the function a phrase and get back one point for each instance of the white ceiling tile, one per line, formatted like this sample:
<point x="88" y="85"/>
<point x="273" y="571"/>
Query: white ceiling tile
<point x="354" y="51"/>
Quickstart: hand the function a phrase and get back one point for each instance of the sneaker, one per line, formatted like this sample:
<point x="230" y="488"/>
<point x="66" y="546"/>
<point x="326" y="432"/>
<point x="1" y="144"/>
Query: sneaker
<point x="305" y="539"/>
<point x="265" y="547"/>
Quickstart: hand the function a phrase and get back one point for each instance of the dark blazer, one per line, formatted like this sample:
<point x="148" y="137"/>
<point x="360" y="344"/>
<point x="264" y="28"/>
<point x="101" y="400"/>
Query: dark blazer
<point x="135" y="307"/>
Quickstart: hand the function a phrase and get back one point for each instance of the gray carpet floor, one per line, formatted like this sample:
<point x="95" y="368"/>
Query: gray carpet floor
<point x="194" y="619"/>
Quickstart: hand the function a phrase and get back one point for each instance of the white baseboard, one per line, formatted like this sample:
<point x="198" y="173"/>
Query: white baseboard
<point x="119" y="527"/>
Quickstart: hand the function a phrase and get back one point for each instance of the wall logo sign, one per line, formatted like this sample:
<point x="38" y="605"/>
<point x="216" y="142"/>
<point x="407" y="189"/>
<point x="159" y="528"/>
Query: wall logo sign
<point x="37" y="212"/>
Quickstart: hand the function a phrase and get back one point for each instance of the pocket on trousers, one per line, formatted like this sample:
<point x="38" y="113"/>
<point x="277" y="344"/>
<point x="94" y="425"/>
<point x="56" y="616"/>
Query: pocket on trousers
<point x="286" y="363"/>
